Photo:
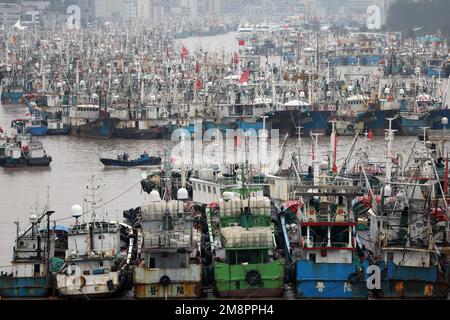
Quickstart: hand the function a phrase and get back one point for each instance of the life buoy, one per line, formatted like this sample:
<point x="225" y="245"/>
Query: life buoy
<point x="253" y="277"/>
<point x="165" y="281"/>
<point x="80" y="281"/>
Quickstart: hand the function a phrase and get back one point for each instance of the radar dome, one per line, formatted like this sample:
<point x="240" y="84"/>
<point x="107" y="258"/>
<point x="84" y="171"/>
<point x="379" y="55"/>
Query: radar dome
<point x="77" y="211"/>
<point x="154" y="196"/>
<point x="182" y="194"/>
<point x="33" y="218"/>
<point x="228" y="196"/>
<point x="387" y="191"/>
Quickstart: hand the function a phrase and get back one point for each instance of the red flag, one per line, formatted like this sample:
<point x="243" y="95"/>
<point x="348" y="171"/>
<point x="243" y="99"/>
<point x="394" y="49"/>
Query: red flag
<point x="184" y="53"/>
<point x="446" y="175"/>
<point x="198" y="85"/>
<point x="334" y="158"/>
<point x="245" y="76"/>
<point x="241" y="42"/>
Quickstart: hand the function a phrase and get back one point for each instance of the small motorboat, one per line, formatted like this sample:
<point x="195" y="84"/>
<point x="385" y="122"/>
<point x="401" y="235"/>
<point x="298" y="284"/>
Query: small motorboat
<point x="124" y="161"/>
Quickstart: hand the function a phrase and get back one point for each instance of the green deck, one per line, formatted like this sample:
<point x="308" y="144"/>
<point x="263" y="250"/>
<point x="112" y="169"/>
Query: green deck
<point x="231" y="279"/>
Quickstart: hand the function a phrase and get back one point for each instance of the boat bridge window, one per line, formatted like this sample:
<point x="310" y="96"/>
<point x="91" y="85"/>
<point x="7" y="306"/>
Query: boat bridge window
<point x="152" y="263"/>
<point x="37" y="269"/>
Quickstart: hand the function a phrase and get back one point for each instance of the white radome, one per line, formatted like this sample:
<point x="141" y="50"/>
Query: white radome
<point x="154" y="196"/>
<point x="182" y="194"/>
<point x="77" y="211"/>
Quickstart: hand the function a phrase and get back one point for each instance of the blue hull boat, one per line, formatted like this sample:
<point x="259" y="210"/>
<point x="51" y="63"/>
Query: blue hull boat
<point x="144" y="160"/>
<point x="25" y="287"/>
<point x="401" y="282"/>
<point x="13" y="97"/>
<point x="329" y="281"/>
<point x="37" y="131"/>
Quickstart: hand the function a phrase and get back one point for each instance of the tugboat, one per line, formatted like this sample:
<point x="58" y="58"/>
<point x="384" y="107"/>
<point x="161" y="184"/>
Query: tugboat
<point x="97" y="260"/>
<point x="170" y="264"/>
<point x="240" y="230"/>
<point x="123" y="161"/>
<point x="32" y="262"/>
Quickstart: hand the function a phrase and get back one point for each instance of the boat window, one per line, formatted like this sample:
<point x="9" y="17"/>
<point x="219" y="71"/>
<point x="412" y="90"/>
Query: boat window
<point x="37" y="268"/>
<point x="101" y="263"/>
<point x="204" y="188"/>
<point x="209" y="189"/>
<point x="86" y="272"/>
<point x="152" y="263"/>
<point x="214" y="190"/>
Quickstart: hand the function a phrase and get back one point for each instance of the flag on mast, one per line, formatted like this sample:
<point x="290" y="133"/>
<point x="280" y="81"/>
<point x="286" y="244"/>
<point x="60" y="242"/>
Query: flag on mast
<point x="245" y="76"/>
<point x="446" y="175"/>
<point x="184" y="53"/>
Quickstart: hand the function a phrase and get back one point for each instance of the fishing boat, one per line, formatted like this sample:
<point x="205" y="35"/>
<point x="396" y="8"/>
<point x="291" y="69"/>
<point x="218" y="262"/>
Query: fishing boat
<point x="404" y="249"/>
<point x="245" y="261"/>
<point x="97" y="259"/>
<point x="36" y="127"/>
<point x="57" y="128"/>
<point x="88" y="121"/>
<point x="24" y="151"/>
<point x="12" y="95"/>
<point x="141" y="123"/>
<point x="124" y="161"/>
<point x="32" y="262"/>
<point x="169" y="253"/>
<point x="326" y="264"/>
